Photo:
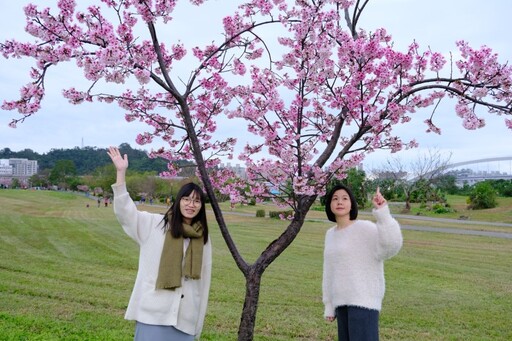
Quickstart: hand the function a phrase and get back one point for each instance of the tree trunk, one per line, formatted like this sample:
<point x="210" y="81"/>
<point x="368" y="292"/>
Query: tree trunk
<point x="407" y="201"/>
<point x="407" y="205"/>
<point x="254" y="272"/>
<point x="252" y="293"/>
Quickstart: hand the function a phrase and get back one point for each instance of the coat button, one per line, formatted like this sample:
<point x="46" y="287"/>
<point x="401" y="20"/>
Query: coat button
<point x="182" y="296"/>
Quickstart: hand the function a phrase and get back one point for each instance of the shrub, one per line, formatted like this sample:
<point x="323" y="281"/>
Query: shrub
<point x="482" y="196"/>
<point x="440" y="208"/>
<point x="277" y="214"/>
<point x="260" y="213"/>
<point x="317" y="208"/>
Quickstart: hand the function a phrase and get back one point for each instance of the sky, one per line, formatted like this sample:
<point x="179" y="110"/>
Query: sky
<point x="435" y="23"/>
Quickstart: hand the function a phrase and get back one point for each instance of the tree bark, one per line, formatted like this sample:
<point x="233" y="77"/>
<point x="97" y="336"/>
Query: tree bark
<point x="252" y="294"/>
<point x="408" y="202"/>
<point x="255" y="271"/>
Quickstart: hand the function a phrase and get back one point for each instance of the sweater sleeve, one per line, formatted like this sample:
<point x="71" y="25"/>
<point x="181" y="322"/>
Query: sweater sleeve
<point x="389" y="233"/>
<point x="206" y="274"/>
<point x="135" y="223"/>
<point x="327" y="283"/>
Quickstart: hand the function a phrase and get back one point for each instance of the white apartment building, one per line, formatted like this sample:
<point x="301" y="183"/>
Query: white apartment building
<point x="5" y="168"/>
<point x="18" y="167"/>
<point x="238" y="170"/>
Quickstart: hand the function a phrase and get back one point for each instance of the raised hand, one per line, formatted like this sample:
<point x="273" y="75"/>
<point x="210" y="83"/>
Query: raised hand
<point x="378" y="200"/>
<point x="120" y="162"/>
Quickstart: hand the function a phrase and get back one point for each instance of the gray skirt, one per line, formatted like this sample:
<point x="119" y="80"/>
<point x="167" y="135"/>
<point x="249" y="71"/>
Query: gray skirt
<point x="149" y="332"/>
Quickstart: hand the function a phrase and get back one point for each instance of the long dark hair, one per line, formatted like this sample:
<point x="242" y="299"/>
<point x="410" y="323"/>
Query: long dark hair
<point x="353" y="203"/>
<point x="173" y="220"/>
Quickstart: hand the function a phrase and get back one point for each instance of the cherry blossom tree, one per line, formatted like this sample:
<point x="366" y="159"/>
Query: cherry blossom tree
<point x="315" y="91"/>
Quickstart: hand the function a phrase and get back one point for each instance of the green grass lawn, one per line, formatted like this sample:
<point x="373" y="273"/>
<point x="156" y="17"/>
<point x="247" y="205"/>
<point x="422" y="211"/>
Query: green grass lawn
<point x="67" y="270"/>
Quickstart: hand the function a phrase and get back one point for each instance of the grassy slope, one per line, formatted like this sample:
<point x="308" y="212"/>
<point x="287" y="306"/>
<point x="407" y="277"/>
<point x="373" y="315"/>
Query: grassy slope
<point x="66" y="272"/>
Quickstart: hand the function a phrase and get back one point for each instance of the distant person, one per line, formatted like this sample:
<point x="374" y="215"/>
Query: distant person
<point x="105" y="200"/>
<point x="168" y="201"/>
<point x="170" y="295"/>
<point x="99" y="202"/>
<point x="353" y="271"/>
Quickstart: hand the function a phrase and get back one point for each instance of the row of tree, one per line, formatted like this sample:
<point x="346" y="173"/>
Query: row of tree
<point x="425" y="190"/>
<point x="86" y="160"/>
<point x="90" y="169"/>
<point x="148" y="184"/>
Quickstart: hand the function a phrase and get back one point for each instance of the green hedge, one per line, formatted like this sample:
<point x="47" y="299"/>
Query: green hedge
<point x="276" y="214"/>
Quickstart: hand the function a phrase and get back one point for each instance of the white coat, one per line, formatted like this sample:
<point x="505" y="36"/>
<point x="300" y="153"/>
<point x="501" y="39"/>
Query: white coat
<point x="185" y="307"/>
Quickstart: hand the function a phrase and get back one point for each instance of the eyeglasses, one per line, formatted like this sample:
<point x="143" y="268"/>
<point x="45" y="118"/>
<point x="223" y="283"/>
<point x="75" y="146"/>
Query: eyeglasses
<point x="188" y="201"/>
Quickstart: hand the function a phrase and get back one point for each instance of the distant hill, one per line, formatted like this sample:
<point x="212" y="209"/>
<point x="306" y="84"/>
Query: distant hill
<point x="87" y="159"/>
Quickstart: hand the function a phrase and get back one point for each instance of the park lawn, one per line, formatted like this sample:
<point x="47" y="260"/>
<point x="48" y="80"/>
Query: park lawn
<point x="501" y="213"/>
<point x="67" y="271"/>
<point x="473" y="219"/>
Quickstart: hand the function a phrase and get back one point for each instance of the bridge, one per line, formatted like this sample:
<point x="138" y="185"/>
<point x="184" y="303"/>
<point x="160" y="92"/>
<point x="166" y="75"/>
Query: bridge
<point x="472" y="162"/>
<point x="472" y="178"/>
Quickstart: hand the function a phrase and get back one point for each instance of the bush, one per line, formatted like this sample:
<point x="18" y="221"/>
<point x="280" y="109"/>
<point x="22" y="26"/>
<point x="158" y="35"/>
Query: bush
<point x="260" y="213"/>
<point x="277" y="214"/>
<point x="440" y="208"/>
<point x="317" y="208"/>
<point x="482" y="196"/>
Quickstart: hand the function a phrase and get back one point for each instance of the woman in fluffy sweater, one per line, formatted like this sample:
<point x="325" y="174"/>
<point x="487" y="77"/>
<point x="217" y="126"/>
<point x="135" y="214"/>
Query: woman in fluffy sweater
<point x="353" y="272"/>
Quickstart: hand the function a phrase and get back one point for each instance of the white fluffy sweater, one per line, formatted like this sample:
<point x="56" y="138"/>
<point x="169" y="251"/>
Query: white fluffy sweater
<point x="184" y="307"/>
<point x="353" y="272"/>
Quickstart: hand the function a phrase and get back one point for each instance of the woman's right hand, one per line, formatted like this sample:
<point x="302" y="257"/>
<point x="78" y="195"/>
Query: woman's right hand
<point x="120" y="162"/>
<point x="330" y="318"/>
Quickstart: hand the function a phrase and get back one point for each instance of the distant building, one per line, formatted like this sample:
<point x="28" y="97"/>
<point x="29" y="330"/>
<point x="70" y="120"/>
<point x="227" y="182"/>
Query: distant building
<point x="5" y="168"/>
<point x="21" y="169"/>
<point x="238" y="170"/>
<point x="470" y="177"/>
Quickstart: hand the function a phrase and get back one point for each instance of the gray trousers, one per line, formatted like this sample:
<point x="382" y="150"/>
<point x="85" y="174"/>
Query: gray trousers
<point x="149" y="332"/>
<point x="357" y="324"/>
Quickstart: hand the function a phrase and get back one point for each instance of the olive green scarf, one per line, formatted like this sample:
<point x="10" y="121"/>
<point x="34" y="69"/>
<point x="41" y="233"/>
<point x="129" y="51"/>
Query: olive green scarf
<point x="171" y="268"/>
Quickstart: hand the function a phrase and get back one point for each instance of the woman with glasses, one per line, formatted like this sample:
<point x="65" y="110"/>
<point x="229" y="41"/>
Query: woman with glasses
<point x="170" y="294"/>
